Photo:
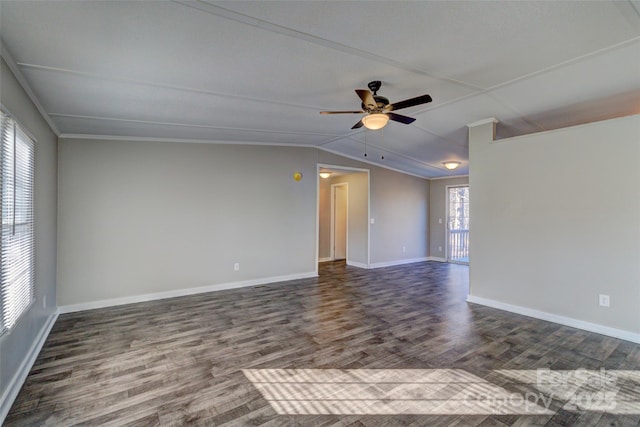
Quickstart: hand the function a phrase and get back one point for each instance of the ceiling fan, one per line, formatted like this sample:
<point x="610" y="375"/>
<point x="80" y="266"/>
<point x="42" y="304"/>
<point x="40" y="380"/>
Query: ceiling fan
<point x="378" y="110"/>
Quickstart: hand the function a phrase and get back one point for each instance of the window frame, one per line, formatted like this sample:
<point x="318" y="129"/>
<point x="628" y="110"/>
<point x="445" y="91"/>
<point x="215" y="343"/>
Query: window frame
<point x="17" y="211"/>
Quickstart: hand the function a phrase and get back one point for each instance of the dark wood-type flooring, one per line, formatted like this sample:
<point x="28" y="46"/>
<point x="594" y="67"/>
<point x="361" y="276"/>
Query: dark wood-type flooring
<point x="180" y="361"/>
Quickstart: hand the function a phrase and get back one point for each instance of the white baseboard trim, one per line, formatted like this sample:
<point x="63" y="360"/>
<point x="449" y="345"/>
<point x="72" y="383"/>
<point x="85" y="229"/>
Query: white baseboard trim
<point x="12" y="390"/>
<point x="435" y="258"/>
<point x="398" y="262"/>
<point x="562" y="320"/>
<point x="181" y="292"/>
<point x="357" y="264"/>
<point x="327" y="259"/>
<point x="388" y="263"/>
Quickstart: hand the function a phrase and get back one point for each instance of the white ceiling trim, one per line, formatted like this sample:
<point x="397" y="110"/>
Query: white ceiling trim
<point x="517" y="112"/>
<point x="177" y="140"/>
<point x="188" y="125"/>
<point x="565" y="63"/>
<point x="423" y="129"/>
<point x="448" y="177"/>
<point x="122" y="72"/>
<point x="564" y="129"/>
<point x="221" y="12"/>
<point x="480" y="92"/>
<point x="430" y="132"/>
<point x="164" y="86"/>
<point x="395" y="153"/>
<point x="243" y="97"/>
<point x="210" y="141"/>
<point x="206" y="7"/>
<point x="490" y="91"/>
<point x="199" y="141"/>
<point x="342" y="168"/>
<point x="338" y="138"/>
<point x="483" y="122"/>
<point x="15" y="69"/>
<point x="369" y="162"/>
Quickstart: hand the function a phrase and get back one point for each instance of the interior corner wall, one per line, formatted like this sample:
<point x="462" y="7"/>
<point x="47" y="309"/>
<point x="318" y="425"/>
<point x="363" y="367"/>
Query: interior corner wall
<point x="21" y="345"/>
<point x="139" y="218"/>
<point x="399" y="205"/>
<point x="438" y="214"/>
<point x="555" y="221"/>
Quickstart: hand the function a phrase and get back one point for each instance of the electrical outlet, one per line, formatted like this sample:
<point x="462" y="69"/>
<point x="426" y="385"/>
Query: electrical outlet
<point x="373" y="221"/>
<point x="404" y="249"/>
<point x="439" y="248"/>
<point x="604" y="300"/>
<point x="236" y="266"/>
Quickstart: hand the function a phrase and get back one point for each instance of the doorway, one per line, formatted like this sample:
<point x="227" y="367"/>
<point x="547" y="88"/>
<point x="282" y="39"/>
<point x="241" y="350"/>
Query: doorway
<point x="339" y="220"/>
<point x="458" y="224"/>
<point x="348" y="186"/>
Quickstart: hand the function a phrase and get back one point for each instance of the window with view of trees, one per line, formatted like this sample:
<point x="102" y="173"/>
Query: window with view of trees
<point x="17" y="157"/>
<point x="458" y="211"/>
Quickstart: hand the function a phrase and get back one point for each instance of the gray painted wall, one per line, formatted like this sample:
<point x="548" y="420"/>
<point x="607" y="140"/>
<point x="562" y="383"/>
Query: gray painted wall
<point x="15" y="347"/>
<point x="399" y="204"/>
<point x="555" y="221"/>
<point x="140" y="218"/>
<point x="438" y="211"/>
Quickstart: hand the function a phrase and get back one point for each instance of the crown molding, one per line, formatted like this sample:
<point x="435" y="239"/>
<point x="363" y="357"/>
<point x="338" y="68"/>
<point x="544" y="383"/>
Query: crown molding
<point x="449" y="177"/>
<point x="176" y="140"/>
<point x="15" y="69"/>
<point x="369" y="162"/>
<point x="483" y="122"/>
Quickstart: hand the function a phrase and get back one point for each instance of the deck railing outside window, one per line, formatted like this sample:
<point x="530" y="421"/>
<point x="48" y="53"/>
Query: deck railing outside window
<point x="459" y="245"/>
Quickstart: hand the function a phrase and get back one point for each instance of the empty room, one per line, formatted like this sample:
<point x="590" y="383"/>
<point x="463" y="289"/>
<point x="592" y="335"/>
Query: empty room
<point x="320" y="213"/>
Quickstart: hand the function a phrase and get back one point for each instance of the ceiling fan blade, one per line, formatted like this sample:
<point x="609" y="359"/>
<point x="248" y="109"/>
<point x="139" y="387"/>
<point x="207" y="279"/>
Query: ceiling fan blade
<point x="400" y="118"/>
<point x="341" y="112"/>
<point x="358" y="125"/>
<point x="367" y="99"/>
<point x="409" y="103"/>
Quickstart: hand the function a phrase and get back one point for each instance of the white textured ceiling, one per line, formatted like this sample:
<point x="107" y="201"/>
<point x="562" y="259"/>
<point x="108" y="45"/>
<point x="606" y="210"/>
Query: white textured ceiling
<point x="261" y="71"/>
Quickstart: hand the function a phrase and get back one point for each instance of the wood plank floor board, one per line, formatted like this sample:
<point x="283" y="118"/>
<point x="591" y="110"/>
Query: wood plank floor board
<point x="180" y="361"/>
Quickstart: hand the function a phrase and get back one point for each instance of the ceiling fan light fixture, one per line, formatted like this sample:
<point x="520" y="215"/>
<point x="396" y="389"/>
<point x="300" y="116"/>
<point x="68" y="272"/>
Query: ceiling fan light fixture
<point x="451" y="165"/>
<point x="325" y="175"/>
<point x="375" y="121"/>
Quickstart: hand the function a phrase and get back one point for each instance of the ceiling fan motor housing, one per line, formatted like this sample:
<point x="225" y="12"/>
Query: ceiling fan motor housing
<point x="380" y="100"/>
<point x="374" y="86"/>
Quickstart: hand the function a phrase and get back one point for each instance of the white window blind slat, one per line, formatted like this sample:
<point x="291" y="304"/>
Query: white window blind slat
<point x="17" y="157"/>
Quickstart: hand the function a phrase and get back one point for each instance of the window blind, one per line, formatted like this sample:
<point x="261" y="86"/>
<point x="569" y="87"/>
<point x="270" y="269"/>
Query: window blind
<point x="17" y="154"/>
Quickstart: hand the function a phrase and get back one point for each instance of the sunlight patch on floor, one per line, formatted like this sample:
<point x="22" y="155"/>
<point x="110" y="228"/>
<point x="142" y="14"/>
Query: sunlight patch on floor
<point x="445" y="391"/>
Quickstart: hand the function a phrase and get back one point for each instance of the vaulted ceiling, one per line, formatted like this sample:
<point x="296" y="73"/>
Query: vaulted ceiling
<point x="261" y="71"/>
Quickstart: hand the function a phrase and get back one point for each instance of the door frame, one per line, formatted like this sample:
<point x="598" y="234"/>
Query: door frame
<point x="346" y="169"/>
<point x="447" y="229"/>
<point x="332" y="253"/>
